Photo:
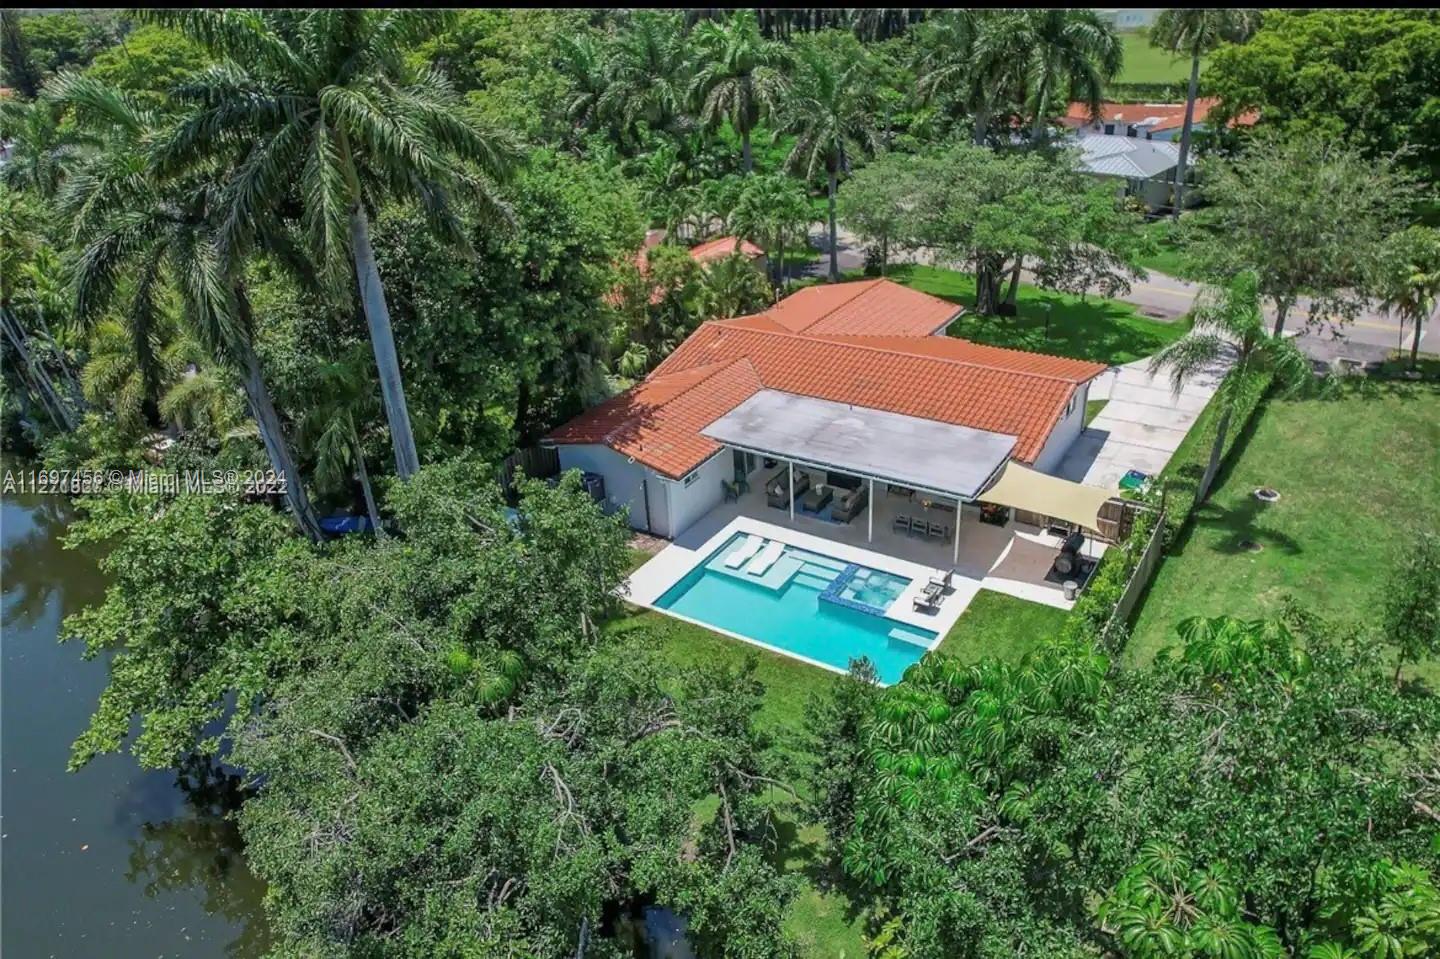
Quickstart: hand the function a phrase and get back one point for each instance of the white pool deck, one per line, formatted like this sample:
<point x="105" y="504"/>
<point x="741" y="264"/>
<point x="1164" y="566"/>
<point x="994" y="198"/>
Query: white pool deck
<point x="1012" y="559"/>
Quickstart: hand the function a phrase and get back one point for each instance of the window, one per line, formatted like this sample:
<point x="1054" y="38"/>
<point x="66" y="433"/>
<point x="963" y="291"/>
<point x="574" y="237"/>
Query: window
<point x="691" y="478"/>
<point x="1070" y="404"/>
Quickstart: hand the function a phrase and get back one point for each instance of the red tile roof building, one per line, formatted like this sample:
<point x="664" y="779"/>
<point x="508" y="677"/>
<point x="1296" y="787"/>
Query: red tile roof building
<point x="1151" y="117"/>
<point x="704" y="253"/>
<point x="868" y="344"/>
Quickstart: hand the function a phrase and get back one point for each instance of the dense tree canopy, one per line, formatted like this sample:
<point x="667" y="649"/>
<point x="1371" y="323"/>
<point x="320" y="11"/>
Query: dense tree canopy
<point x="1368" y="75"/>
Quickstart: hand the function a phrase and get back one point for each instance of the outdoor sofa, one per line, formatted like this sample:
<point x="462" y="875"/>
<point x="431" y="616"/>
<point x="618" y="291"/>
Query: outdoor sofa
<point x="777" y="489"/>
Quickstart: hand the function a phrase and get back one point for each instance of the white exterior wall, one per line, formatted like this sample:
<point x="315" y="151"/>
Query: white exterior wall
<point x="689" y="503"/>
<point x="627" y="484"/>
<point x="1066" y="432"/>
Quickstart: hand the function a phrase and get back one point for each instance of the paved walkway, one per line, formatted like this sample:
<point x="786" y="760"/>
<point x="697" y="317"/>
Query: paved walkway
<point x="1142" y="424"/>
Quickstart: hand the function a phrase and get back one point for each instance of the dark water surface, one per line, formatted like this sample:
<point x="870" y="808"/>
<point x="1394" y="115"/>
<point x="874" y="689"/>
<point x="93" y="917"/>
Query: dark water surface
<point x="111" y="861"/>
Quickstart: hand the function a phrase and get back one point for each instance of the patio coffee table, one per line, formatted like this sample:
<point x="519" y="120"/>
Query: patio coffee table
<point x="816" y="499"/>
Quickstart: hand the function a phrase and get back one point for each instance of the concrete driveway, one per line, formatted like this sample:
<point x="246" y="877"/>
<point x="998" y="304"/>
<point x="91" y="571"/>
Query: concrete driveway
<point x="1142" y="424"/>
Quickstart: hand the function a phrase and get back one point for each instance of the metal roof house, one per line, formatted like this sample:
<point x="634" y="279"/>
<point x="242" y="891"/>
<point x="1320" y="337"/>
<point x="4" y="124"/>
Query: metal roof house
<point x="843" y="386"/>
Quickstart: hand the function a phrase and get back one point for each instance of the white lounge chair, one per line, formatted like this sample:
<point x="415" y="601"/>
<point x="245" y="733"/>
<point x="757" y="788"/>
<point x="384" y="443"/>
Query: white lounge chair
<point x="744" y="551"/>
<point x="766" y="559"/>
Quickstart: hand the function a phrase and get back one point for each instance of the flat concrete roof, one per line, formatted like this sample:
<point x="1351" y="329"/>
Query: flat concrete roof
<point x="907" y="450"/>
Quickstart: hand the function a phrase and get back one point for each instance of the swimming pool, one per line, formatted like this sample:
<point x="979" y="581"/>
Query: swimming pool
<point x="802" y="603"/>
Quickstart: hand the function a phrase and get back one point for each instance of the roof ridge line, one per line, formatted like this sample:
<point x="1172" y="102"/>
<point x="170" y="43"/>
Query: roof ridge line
<point x="831" y="339"/>
<point x="988" y="346"/>
<point x="865" y="286"/>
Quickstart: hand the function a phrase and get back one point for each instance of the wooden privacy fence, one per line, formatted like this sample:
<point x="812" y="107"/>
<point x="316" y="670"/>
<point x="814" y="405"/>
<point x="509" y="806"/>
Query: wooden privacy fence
<point x="536" y="462"/>
<point x="1139" y="576"/>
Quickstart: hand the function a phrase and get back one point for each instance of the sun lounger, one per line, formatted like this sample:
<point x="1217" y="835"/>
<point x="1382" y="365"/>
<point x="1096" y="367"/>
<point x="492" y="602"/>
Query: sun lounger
<point x="929" y="599"/>
<point x="941" y="578"/>
<point x="766" y="559"/>
<point x="744" y="551"/>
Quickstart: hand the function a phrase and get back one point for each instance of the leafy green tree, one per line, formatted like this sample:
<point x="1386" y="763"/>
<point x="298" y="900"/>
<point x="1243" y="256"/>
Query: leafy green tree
<point x="739" y="75"/>
<point x="832" y="117"/>
<point x="357" y="127"/>
<point x="874" y="206"/>
<point x="732" y="286"/>
<point x="59" y="40"/>
<point x="1383" y="909"/>
<point x="1196" y="32"/>
<point x="1072" y="53"/>
<point x="1412" y="607"/>
<point x="1228" y="324"/>
<point x="1309" y="216"/>
<point x="1166" y="908"/>
<point x="1315" y="75"/>
<point x="835" y="725"/>
<point x="18" y="66"/>
<point x="1410" y="280"/>
<point x="151" y="61"/>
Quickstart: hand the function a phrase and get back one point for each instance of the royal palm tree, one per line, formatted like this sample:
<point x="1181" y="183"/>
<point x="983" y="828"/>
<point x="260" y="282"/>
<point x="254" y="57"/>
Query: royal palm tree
<point x="42" y="148"/>
<point x="1229" y="323"/>
<point x="331" y="429"/>
<point x="322" y="102"/>
<point x="970" y="59"/>
<point x="647" y="77"/>
<point x="1411" y="282"/>
<point x="140" y="236"/>
<point x="1071" y="52"/>
<point x="740" y="76"/>
<point x="832" y="118"/>
<point x="1196" y="31"/>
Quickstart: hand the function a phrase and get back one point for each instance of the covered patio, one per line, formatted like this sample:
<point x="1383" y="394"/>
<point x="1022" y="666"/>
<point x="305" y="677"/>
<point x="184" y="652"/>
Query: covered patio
<point x="894" y="486"/>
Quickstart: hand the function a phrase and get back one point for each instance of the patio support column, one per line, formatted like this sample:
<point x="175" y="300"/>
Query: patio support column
<point x="870" y="514"/>
<point x="959" y="506"/>
<point x="792" y="492"/>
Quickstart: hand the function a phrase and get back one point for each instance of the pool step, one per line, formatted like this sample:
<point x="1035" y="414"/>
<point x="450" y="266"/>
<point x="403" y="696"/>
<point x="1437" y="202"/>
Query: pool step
<point x="814" y="582"/>
<point x="906" y="636"/>
<point x="819" y="572"/>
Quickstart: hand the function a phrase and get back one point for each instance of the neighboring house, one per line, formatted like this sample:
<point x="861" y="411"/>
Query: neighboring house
<point x="862" y="370"/>
<point x="1138" y="144"/>
<point x="1144" y="169"/>
<point x="1148" y="121"/>
<point x="704" y="253"/>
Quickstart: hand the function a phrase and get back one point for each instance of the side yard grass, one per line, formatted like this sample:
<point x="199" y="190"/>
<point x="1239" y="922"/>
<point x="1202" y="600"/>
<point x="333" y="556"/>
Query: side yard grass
<point x="1147" y="64"/>
<point x="1358" y="479"/>
<point x="1087" y="328"/>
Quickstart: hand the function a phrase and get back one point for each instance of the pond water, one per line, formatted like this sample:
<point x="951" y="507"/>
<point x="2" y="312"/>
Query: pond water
<point x="111" y="861"/>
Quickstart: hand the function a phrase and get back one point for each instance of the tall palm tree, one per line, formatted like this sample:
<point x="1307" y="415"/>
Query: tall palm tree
<point x="140" y="235"/>
<point x="323" y="101"/>
<point x="832" y="118"/>
<point x="647" y="78"/>
<point x="1196" y="31"/>
<point x="1071" y="52"/>
<point x="331" y="426"/>
<point x="1229" y="323"/>
<point x="731" y="287"/>
<point x="970" y="59"/>
<point x="1411" y="282"/>
<point x="771" y="209"/>
<point x="739" y="77"/>
<point x="42" y="148"/>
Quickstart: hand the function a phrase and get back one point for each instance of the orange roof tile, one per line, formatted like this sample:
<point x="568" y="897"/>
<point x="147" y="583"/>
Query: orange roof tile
<point x="723" y="246"/>
<point x="1165" y="116"/>
<point x="938" y="378"/>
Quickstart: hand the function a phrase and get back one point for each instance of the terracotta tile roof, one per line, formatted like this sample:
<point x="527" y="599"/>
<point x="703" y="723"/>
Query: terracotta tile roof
<point x="938" y="378"/>
<point x="868" y="307"/>
<point x="967" y="351"/>
<point x="659" y="421"/>
<point x="723" y="246"/>
<point x="1157" y="116"/>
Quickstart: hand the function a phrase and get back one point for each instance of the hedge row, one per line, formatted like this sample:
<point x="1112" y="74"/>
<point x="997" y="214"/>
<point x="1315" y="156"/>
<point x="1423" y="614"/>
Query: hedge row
<point x="1092" y="611"/>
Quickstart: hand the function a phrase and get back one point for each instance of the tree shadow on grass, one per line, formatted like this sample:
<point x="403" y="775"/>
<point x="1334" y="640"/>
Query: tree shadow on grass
<point x="815" y="859"/>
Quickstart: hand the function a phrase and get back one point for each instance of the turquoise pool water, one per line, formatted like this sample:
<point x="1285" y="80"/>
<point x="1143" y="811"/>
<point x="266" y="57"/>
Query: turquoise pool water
<point x="786" y="606"/>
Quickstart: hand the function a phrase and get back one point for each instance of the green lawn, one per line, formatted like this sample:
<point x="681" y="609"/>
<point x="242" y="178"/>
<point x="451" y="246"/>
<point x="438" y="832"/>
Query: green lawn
<point x="1168" y="257"/>
<point x="1087" y="328"/>
<point x="1358" y="478"/>
<point x="1002" y="626"/>
<point x="1146" y="64"/>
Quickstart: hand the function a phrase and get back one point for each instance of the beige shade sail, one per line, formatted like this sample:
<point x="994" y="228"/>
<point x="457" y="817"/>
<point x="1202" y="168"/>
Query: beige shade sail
<point x="1022" y="488"/>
